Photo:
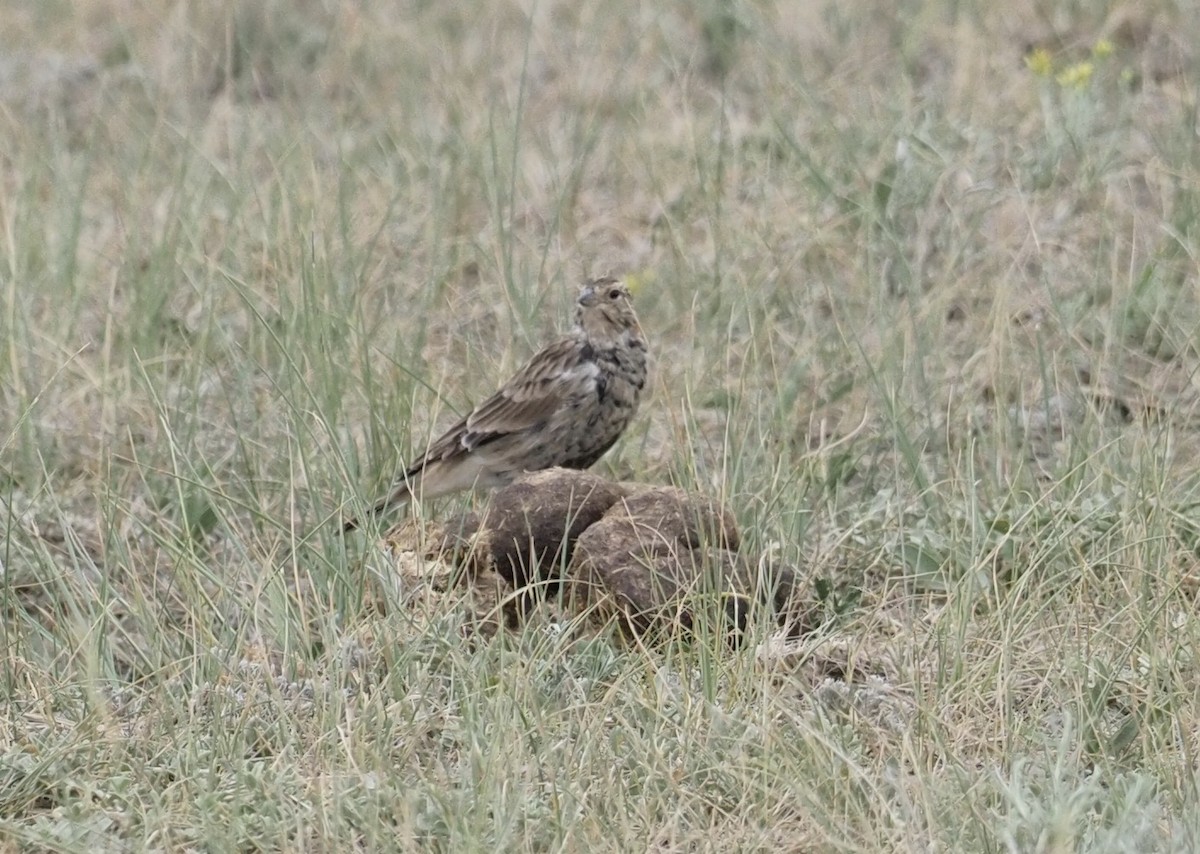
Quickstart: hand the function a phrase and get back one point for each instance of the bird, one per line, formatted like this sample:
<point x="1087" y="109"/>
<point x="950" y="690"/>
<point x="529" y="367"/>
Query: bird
<point x="565" y="407"/>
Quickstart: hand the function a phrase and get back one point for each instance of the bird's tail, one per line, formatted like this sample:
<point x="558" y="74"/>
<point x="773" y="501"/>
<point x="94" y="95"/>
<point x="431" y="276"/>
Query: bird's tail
<point x="398" y="497"/>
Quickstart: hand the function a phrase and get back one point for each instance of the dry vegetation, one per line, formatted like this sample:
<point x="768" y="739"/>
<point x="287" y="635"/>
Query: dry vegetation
<point x="923" y="284"/>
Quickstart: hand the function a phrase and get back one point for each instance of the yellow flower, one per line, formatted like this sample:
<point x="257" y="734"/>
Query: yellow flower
<point x="1102" y="49"/>
<point x="638" y="281"/>
<point x="1075" y="76"/>
<point x="1040" y="62"/>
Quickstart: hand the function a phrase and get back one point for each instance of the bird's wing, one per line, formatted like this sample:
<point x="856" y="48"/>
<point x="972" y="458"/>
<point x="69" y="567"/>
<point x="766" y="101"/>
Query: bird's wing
<point x="533" y="394"/>
<point x="529" y="398"/>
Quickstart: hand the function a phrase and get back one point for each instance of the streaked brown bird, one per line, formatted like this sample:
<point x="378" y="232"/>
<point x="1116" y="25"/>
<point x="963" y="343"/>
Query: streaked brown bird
<point x="566" y="407"/>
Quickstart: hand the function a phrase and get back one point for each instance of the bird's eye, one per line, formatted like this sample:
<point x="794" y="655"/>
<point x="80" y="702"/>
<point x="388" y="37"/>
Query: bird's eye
<point x="614" y="294"/>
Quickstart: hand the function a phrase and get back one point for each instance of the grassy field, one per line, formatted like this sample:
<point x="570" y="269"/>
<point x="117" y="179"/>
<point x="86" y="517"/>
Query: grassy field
<point x="922" y="282"/>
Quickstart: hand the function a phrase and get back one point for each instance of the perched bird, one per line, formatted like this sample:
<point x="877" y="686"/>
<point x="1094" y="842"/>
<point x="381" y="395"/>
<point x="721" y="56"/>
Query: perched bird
<point x="565" y="407"/>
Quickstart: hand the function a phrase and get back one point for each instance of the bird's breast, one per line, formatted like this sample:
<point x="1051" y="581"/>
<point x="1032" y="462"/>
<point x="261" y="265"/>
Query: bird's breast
<point x="621" y="375"/>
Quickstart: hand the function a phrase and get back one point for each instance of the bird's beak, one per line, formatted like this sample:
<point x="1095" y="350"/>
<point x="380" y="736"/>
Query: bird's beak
<point x="587" y="297"/>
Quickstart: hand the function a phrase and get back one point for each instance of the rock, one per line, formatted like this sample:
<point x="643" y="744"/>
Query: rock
<point x="662" y="560"/>
<point x="528" y="531"/>
<point x="674" y="515"/>
<point x="658" y="560"/>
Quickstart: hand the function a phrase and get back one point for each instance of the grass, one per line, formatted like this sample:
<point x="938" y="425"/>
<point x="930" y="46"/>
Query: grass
<point x="922" y="287"/>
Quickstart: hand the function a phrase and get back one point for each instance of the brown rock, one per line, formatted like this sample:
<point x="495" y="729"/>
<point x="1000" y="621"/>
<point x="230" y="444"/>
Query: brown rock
<point x="661" y="560"/>
<point x="528" y="532"/>
<point x="668" y="514"/>
<point x="657" y="559"/>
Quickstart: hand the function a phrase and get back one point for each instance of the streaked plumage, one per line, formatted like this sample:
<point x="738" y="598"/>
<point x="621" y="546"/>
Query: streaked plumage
<point x="566" y="407"/>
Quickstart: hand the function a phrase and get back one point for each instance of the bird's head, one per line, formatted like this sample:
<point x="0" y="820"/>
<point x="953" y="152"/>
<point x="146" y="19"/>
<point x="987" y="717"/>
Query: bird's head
<point x="605" y="313"/>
